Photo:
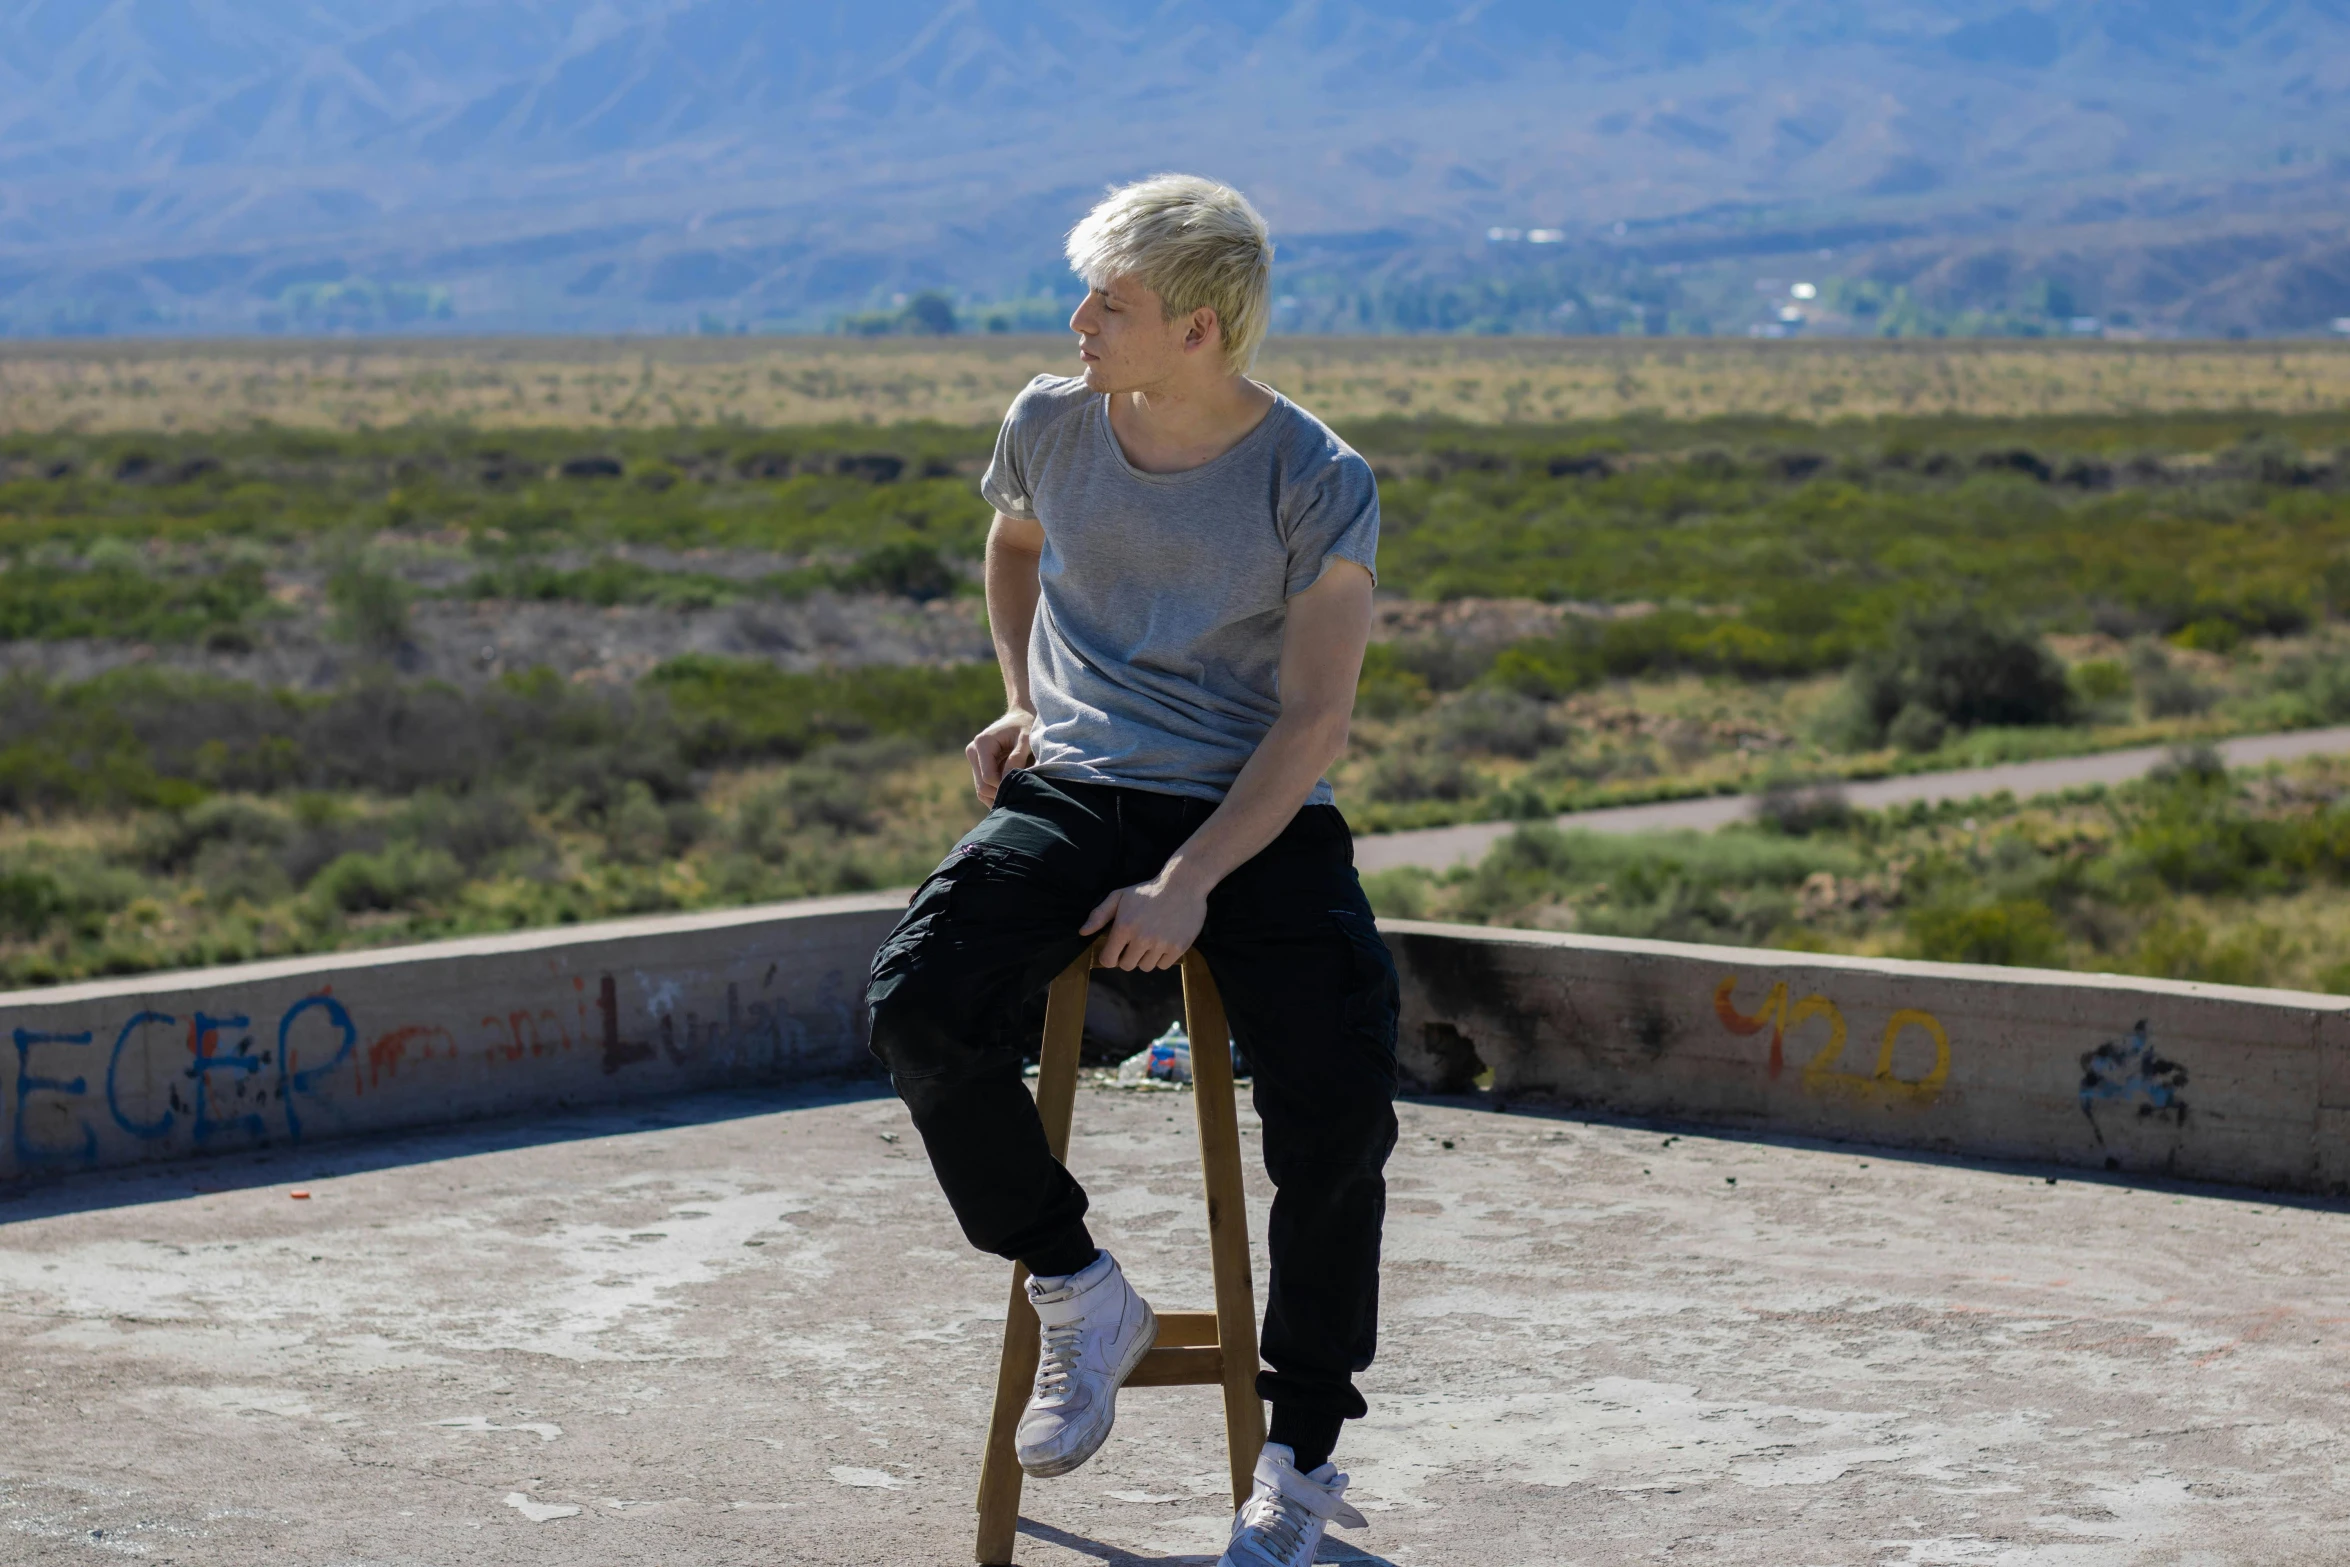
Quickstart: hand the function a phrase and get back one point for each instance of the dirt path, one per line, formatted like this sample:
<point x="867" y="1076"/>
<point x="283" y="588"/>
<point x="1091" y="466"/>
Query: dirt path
<point x="1441" y="848"/>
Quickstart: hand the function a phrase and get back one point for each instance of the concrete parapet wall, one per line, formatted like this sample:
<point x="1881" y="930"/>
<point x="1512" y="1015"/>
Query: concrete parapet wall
<point x="165" y="1065"/>
<point x="2203" y="1081"/>
<point x="2211" y="1082"/>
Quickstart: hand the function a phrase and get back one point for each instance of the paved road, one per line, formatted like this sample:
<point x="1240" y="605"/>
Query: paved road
<point x="742" y="1330"/>
<point x="1441" y="848"/>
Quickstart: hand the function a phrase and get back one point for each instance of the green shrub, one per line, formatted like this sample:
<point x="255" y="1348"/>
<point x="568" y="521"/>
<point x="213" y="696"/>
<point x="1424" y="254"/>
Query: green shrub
<point x="121" y="600"/>
<point x="2210" y="635"/>
<point x="475" y="827"/>
<point x="1496" y="723"/>
<point x="1798" y="808"/>
<point x="229" y="872"/>
<point x="1441" y="663"/>
<point x="62" y="894"/>
<point x="144" y="736"/>
<point x="2174" y="946"/>
<point x="170" y="843"/>
<point x="1403" y="776"/>
<point x="1734" y="885"/>
<point x="2016" y="933"/>
<point x="829" y="796"/>
<point x="1387" y="689"/>
<point x="28" y="900"/>
<point x="1549" y="668"/>
<point x="2192" y="833"/>
<point x="1965" y="668"/>
<point x="910" y="569"/>
<point x="607" y="581"/>
<point x="1405" y="893"/>
<point x="1917" y="727"/>
<point x="2167" y="690"/>
<point x="2101" y="679"/>
<point x="2315" y="690"/>
<point x="731" y="710"/>
<point x="371" y="609"/>
<point x="636" y="830"/>
<point x="398" y="876"/>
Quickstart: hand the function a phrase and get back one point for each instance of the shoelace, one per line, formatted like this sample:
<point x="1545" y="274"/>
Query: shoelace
<point x="1058" y="1362"/>
<point x="1276" y="1524"/>
<point x="1280" y="1515"/>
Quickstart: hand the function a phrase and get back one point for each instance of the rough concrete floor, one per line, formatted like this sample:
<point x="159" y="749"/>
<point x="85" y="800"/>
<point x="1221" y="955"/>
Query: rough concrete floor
<point x="743" y="1330"/>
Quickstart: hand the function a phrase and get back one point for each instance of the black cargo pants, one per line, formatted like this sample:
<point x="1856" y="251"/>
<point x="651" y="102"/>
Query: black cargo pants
<point x="1311" y="994"/>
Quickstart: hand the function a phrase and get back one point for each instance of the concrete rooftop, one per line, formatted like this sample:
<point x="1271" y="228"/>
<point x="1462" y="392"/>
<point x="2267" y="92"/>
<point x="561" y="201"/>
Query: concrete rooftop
<point x="742" y="1329"/>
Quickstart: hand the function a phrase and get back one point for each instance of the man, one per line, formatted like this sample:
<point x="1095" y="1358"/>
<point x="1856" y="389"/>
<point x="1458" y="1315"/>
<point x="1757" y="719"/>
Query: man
<point x="1179" y="583"/>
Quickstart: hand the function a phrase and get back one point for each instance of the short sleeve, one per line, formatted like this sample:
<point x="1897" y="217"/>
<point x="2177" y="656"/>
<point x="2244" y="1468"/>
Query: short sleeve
<point x="1005" y="485"/>
<point x="1339" y="521"/>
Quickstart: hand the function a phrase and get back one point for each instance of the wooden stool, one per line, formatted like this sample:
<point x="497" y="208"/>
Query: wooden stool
<point x="1195" y="1348"/>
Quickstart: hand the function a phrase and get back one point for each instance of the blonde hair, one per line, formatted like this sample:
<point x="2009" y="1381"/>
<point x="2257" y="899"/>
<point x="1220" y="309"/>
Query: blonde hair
<point x="1193" y="242"/>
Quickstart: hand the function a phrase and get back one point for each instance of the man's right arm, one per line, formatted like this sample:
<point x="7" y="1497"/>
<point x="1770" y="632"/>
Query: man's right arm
<point x="1015" y="549"/>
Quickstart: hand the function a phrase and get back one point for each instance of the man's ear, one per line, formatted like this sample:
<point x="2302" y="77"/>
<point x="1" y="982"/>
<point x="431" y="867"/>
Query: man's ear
<point x="1204" y="330"/>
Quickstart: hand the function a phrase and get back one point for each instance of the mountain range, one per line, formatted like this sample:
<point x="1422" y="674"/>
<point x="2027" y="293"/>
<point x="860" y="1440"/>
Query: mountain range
<point x="591" y="165"/>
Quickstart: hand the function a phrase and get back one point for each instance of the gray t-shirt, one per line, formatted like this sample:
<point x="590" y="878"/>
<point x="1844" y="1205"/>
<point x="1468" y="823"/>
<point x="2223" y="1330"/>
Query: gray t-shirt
<point x="1156" y="654"/>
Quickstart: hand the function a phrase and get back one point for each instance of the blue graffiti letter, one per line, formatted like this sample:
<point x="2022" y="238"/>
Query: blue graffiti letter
<point x="292" y="1083"/>
<point x="148" y="1130"/>
<point x="200" y="1032"/>
<point x="28" y="1085"/>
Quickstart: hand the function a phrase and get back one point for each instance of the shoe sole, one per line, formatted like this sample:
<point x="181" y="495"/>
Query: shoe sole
<point x="1144" y="1342"/>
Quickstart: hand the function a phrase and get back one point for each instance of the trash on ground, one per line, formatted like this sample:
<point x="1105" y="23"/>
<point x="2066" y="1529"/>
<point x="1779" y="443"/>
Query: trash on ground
<point x="1166" y="1059"/>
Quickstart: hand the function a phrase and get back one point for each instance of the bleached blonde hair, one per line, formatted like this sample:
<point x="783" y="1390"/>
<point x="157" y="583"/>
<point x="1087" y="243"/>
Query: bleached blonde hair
<point x="1195" y="243"/>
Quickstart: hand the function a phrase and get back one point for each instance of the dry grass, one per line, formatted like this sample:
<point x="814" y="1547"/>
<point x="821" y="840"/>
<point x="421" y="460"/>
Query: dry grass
<point x="657" y="382"/>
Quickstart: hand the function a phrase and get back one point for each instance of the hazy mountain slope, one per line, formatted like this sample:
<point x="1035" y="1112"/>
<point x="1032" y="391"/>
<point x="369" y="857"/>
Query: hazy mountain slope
<point x="629" y="163"/>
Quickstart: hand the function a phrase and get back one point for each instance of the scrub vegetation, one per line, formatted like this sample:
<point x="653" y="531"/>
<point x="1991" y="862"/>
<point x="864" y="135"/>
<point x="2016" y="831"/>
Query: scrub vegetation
<point x="652" y="384"/>
<point x="2189" y="874"/>
<point x="249" y="710"/>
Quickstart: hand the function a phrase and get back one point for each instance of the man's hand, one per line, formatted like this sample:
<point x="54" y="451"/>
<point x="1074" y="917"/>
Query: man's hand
<point x="1152" y="924"/>
<point x="996" y="750"/>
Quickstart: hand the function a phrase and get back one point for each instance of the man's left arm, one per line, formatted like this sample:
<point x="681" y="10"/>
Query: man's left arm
<point x="1153" y="923"/>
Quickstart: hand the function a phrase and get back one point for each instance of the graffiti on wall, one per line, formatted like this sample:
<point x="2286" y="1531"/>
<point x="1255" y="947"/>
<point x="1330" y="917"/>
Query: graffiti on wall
<point x="1826" y="1071"/>
<point x="199" y="1081"/>
<point x="2128" y="1076"/>
<point x="238" y="1080"/>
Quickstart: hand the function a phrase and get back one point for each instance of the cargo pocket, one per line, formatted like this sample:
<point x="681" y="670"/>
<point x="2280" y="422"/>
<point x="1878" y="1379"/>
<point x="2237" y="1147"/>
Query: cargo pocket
<point x="987" y="884"/>
<point x="1372" y="999"/>
<point x="923" y="913"/>
<point x="931" y="994"/>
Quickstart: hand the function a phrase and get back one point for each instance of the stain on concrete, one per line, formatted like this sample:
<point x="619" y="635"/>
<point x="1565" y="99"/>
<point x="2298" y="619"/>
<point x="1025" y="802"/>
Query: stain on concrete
<point x="1456" y="977"/>
<point x="1651" y="1028"/>
<point x="1507" y="1020"/>
<point x="1454" y="1065"/>
<point x="618" y="1052"/>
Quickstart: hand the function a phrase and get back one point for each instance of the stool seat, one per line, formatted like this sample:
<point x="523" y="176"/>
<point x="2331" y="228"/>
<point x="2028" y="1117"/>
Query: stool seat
<point x="1194" y="1348"/>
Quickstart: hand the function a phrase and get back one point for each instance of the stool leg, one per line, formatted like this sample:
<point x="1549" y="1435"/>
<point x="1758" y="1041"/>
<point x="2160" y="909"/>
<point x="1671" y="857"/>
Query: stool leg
<point x="1056" y="1102"/>
<point x="999" y="1466"/>
<point x="1219" y="1152"/>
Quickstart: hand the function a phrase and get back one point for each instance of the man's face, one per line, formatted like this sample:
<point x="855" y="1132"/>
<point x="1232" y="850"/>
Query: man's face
<point x="1125" y="340"/>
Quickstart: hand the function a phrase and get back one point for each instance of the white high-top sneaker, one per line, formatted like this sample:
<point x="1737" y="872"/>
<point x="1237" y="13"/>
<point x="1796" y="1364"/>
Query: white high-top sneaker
<point x="1096" y="1331"/>
<point x="1281" y="1523"/>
